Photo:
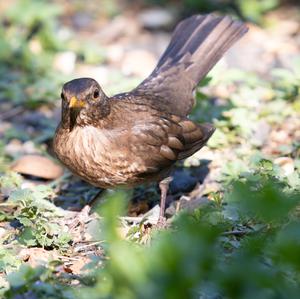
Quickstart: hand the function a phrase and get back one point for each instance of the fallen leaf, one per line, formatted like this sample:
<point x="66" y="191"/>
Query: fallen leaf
<point x="37" y="166"/>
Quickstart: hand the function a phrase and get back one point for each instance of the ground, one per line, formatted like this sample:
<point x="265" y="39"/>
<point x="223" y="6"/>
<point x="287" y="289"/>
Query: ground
<point x="251" y="96"/>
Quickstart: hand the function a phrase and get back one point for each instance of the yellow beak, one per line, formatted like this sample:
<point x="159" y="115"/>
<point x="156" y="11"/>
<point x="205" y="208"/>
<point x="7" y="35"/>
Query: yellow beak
<point x="75" y="103"/>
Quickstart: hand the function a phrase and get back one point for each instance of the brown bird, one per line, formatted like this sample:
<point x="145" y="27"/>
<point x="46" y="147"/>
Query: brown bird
<point x="136" y="137"/>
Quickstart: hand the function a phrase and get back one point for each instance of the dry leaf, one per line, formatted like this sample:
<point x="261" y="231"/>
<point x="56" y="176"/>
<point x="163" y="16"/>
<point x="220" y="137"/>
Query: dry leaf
<point x="37" y="166"/>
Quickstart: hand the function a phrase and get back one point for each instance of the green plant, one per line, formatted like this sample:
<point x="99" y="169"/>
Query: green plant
<point x="28" y="41"/>
<point x="202" y="257"/>
<point x="39" y="219"/>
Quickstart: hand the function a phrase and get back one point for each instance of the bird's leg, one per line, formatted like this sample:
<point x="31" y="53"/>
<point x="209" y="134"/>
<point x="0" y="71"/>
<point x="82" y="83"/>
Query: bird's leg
<point x="163" y="186"/>
<point x="94" y="199"/>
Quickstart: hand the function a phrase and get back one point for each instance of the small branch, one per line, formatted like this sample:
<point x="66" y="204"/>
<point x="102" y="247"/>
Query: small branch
<point x="79" y="248"/>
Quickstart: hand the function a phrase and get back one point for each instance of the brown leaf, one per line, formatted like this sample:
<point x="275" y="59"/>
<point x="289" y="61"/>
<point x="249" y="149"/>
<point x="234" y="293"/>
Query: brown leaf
<point x="38" y="166"/>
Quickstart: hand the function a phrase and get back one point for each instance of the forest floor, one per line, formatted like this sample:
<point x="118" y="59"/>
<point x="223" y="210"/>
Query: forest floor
<point x="252" y="97"/>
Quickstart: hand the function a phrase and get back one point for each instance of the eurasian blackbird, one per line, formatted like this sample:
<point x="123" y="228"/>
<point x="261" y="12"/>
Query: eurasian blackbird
<point x="136" y="137"/>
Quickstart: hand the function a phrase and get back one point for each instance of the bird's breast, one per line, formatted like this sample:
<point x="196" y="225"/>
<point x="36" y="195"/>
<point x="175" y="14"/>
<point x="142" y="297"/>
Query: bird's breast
<point x="98" y="156"/>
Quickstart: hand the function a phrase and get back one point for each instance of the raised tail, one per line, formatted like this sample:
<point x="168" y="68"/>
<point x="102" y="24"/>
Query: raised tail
<point x="201" y="41"/>
<point x="197" y="44"/>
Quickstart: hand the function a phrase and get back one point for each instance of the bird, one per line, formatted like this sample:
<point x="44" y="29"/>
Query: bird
<point x="136" y="137"/>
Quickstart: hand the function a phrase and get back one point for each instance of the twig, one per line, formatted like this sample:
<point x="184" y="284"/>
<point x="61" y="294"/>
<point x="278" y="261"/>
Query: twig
<point x="88" y="245"/>
<point x="88" y="242"/>
<point x="67" y="258"/>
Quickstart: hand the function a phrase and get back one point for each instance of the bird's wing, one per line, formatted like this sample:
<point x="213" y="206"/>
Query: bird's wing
<point x="197" y="44"/>
<point x="165" y="140"/>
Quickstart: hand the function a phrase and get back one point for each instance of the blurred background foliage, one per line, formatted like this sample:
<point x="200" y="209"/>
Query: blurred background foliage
<point x="243" y="244"/>
<point x="251" y="10"/>
<point x="28" y="40"/>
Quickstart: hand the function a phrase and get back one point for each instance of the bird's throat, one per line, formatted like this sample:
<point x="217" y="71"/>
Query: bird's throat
<point x="73" y="117"/>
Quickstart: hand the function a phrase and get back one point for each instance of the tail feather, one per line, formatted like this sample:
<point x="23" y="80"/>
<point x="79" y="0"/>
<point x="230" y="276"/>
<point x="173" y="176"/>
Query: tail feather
<point x="197" y="44"/>
<point x="180" y="39"/>
<point x="205" y="39"/>
<point x="183" y="38"/>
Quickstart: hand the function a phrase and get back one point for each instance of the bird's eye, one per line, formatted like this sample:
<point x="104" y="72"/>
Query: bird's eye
<point x="62" y="96"/>
<point x="96" y="94"/>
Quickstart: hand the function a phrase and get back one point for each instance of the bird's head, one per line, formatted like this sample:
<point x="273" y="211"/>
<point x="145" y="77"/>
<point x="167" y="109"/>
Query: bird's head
<point x="83" y="101"/>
